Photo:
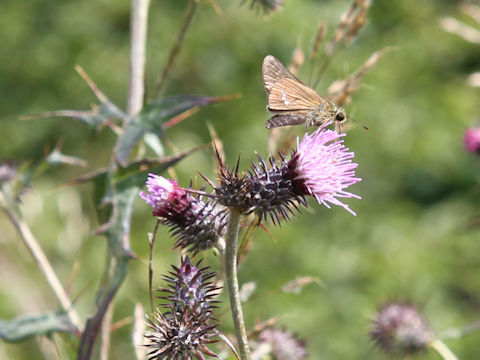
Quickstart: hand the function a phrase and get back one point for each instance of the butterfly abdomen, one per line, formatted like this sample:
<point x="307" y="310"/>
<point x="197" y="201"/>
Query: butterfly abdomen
<point x="284" y="120"/>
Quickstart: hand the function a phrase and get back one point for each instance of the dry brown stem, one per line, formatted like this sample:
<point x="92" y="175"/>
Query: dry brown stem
<point x="340" y="91"/>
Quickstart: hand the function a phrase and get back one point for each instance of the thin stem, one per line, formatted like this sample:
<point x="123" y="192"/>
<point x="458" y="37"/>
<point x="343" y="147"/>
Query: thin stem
<point x="106" y="333"/>
<point x="151" y="241"/>
<point x="138" y="39"/>
<point x="176" y="47"/>
<point x="232" y="282"/>
<point x="443" y="350"/>
<point x="42" y="261"/>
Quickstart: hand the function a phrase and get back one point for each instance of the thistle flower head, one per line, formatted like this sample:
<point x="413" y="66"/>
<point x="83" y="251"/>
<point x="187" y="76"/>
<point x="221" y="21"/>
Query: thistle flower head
<point x="185" y="329"/>
<point x="196" y="224"/>
<point x="284" y="345"/>
<point x="321" y="167"/>
<point x="400" y="329"/>
<point x="325" y="166"/>
<point x="471" y="140"/>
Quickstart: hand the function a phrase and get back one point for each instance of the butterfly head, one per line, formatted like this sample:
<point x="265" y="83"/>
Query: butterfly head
<point x="340" y="116"/>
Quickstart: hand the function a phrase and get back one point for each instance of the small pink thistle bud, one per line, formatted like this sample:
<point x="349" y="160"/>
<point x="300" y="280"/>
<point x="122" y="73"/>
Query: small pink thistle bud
<point x="196" y="224"/>
<point x="399" y="329"/>
<point x="471" y="140"/>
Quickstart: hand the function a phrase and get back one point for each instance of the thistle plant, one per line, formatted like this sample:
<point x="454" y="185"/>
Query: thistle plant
<point x="318" y="168"/>
<point x="197" y="225"/>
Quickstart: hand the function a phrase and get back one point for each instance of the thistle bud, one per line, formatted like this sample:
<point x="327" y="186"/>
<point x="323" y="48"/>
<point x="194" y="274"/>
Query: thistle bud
<point x="196" y="224"/>
<point x="185" y="329"/>
<point x="399" y="329"/>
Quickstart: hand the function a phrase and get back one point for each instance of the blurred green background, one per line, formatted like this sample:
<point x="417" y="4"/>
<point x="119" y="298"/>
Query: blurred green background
<point x="410" y="239"/>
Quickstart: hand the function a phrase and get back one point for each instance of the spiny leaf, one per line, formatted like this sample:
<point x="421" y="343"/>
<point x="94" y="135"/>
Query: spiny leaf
<point x="142" y="165"/>
<point x="57" y="157"/>
<point x="153" y="117"/>
<point x="96" y="117"/>
<point x="26" y="326"/>
<point x="134" y="174"/>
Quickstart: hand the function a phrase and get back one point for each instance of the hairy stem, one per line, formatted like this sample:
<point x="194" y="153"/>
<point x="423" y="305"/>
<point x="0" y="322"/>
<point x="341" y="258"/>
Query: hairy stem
<point x="138" y="39"/>
<point x="443" y="350"/>
<point x="93" y="325"/>
<point x="42" y="261"/>
<point x="118" y="232"/>
<point x="176" y="47"/>
<point x="106" y="333"/>
<point x="232" y="282"/>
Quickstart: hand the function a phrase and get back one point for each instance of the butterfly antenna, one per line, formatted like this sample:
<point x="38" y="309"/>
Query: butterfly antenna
<point x="349" y="118"/>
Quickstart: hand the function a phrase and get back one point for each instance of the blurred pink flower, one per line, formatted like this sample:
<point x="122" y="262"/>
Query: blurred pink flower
<point x="471" y="140"/>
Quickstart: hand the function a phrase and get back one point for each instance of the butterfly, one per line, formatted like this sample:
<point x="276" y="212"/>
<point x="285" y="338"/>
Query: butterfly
<point x="292" y="102"/>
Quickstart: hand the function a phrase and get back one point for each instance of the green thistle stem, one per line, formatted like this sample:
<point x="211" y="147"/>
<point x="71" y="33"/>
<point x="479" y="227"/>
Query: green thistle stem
<point x="443" y="350"/>
<point x="232" y="282"/>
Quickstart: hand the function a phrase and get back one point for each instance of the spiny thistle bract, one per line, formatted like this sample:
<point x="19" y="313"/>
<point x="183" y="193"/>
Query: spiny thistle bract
<point x="187" y="326"/>
<point x="321" y="167"/>
<point x="196" y="224"/>
<point x="400" y="330"/>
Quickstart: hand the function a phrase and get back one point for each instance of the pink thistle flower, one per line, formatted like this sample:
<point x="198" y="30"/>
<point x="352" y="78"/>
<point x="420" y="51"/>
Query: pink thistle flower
<point x="471" y="140"/>
<point x="162" y="192"/>
<point x="326" y="168"/>
<point x="321" y="167"/>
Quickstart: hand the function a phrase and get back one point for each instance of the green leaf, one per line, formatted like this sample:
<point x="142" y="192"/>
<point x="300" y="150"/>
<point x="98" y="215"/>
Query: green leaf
<point x="26" y="326"/>
<point x="135" y="173"/>
<point x="153" y="117"/>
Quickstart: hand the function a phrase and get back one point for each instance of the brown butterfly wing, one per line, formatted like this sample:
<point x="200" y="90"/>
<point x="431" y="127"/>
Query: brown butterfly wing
<point x="291" y="95"/>
<point x="273" y="70"/>
<point x="285" y="92"/>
